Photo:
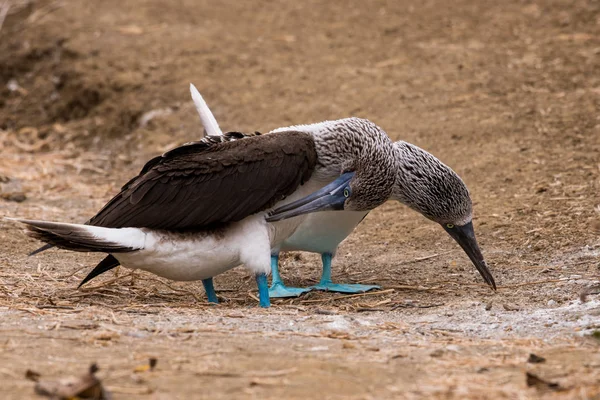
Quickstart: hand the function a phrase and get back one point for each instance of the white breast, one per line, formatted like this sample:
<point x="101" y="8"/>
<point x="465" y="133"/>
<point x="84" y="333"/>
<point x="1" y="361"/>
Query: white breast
<point x="322" y="232"/>
<point x="282" y="230"/>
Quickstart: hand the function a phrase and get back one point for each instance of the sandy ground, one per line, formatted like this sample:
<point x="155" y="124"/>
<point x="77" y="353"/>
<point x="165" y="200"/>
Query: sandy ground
<point x="507" y="93"/>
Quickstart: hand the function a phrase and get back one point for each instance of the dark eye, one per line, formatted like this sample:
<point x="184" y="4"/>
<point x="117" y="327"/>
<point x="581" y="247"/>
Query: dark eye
<point x="449" y="226"/>
<point x="346" y="192"/>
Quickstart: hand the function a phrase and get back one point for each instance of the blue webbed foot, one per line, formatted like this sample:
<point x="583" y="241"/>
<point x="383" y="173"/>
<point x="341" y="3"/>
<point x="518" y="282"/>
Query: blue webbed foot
<point x="327" y="285"/>
<point x="278" y="289"/>
<point x="210" y="290"/>
<point x="344" y="288"/>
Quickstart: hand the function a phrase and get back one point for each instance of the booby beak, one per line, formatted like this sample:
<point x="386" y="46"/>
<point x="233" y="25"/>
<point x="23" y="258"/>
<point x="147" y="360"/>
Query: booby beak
<point x="465" y="236"/>
<point x="331" y="197"/>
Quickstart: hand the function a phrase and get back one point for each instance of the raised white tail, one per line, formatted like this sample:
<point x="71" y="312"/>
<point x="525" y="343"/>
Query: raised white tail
<point x="211" y="127"/>
<point x="85" y="238"/>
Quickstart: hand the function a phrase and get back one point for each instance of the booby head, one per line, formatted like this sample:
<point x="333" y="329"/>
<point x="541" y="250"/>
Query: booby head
<point x="433" y="189"/>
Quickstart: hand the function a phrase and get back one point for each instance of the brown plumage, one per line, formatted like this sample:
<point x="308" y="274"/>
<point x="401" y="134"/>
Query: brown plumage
<point x="205" y="183"/>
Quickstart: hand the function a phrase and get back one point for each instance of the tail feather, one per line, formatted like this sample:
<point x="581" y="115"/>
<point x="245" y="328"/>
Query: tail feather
<point x="108" y="263"/>
<point x="211" y="127"/>
<point x="43" y="248"/>
<point x="85" y="238"/>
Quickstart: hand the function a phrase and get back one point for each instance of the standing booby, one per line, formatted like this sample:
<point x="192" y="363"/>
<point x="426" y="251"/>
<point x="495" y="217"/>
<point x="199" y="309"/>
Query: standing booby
<point x="423" y="183"/>
<point x="199" y="209"/>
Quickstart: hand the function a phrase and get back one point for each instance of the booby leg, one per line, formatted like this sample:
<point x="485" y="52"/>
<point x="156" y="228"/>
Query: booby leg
<point x="278" y="289"/>
<point x="327" y="285"/>
<point x="263" y="290"/>
<point x="209" y="288"/>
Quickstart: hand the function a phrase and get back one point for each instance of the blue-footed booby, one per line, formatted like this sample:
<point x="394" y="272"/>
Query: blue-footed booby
<point x="199" y="210"/>
<point x="422" y="182"/>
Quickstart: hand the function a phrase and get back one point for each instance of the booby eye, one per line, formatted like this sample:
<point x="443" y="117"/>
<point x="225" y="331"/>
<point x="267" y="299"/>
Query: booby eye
<point x="449" y="226"/>
<point x="346" y="192"/>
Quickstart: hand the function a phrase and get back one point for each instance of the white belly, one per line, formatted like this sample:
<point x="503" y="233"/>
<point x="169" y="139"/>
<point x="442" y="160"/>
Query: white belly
<point x="322" y="232"/>
<point x="204" y="254"/>
<point x="183" y="256"/>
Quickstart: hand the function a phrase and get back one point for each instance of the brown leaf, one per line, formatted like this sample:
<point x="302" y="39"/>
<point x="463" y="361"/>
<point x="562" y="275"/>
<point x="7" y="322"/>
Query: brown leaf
<point x="510" y="307"/>
<point x="84" y="387"/>
<point x="535" y="359"/>
<point x="595" y="289"/>
<point x="540" y="384"/>
<point x="132" y="30"/>
<point x="32" y="375"/>
<point x="79" y="325"/>
<point x="146" y="367"/>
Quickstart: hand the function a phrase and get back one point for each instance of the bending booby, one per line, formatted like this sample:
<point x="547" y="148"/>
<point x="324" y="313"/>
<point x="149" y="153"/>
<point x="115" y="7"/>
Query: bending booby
<point x="199" y="209"/>
<point x="423" y="183"/>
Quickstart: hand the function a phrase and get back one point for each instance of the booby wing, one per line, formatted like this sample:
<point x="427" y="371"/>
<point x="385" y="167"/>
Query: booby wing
<point x="207" y="183"/>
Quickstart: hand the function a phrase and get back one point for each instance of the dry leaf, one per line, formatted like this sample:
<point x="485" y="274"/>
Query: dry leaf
<point x="540" y="384"/>
<point x="535" y="359"/>
<point x="84" y="387"/>
<point x="133" y="30"/>
<point x="146" y="367"/>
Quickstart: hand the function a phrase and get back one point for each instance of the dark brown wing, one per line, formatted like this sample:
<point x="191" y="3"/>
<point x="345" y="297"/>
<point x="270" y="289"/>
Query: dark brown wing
<point x="205" y="183"/>
<point x="204" y="142"/>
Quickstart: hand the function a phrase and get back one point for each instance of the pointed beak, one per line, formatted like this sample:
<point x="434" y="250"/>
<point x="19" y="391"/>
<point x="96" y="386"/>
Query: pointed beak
<point x="331" y="197"/>
<point x="465" y="236"/>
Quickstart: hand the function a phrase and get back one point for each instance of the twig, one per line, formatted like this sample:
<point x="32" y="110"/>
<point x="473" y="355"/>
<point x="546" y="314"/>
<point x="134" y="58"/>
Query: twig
<point x="253" y="296"/>
<point x="406" y="305"/>
<point x="3" y="12"/>
<point x="129" y="390"/>
<point x="74" y="272"/>
<point x="409" y="287"/>
<point x="350" y="296"/>
<point x="425" y="258"/>
<point x="43" y="11"/>
<point x="256" y="374"/>
<point x="56" y="307"/>
<point x="106" y="283"/>
<point x="194" y="295"/>
<point x="482" y="285"/>
<point x="531" y="283"/>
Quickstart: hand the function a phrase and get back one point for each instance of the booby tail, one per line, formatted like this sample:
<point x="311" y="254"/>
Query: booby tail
<point x="85" y="238"/>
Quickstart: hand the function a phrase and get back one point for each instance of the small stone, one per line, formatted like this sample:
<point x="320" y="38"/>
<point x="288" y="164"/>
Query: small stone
<point x="105" y="335"/>
<point x="348" y="345"/>
<point x="552" y="303"/>
<point x="510" y="307"/>
<point x="453" y="347"/>
<point x="11" y="189"/>
<point x="437" y="353"/>
<point x="13" y="85"/>
<point x="596" y="226"/>
<point x="535" y="359"/>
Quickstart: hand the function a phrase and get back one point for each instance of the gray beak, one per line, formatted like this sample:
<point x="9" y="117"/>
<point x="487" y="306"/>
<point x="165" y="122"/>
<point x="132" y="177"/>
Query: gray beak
<point x="465" y="236"/>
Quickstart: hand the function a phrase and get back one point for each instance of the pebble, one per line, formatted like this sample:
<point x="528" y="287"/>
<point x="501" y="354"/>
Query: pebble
<point x="11" y="189"/>
<point x="552" y="303"/>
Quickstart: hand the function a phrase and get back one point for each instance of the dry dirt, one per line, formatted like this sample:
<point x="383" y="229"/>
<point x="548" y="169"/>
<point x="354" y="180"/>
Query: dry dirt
<point x="506" y="92"/>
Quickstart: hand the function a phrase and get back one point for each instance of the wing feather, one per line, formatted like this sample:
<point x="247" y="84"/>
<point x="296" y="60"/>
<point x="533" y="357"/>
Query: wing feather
<point x="212" y="182"/>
